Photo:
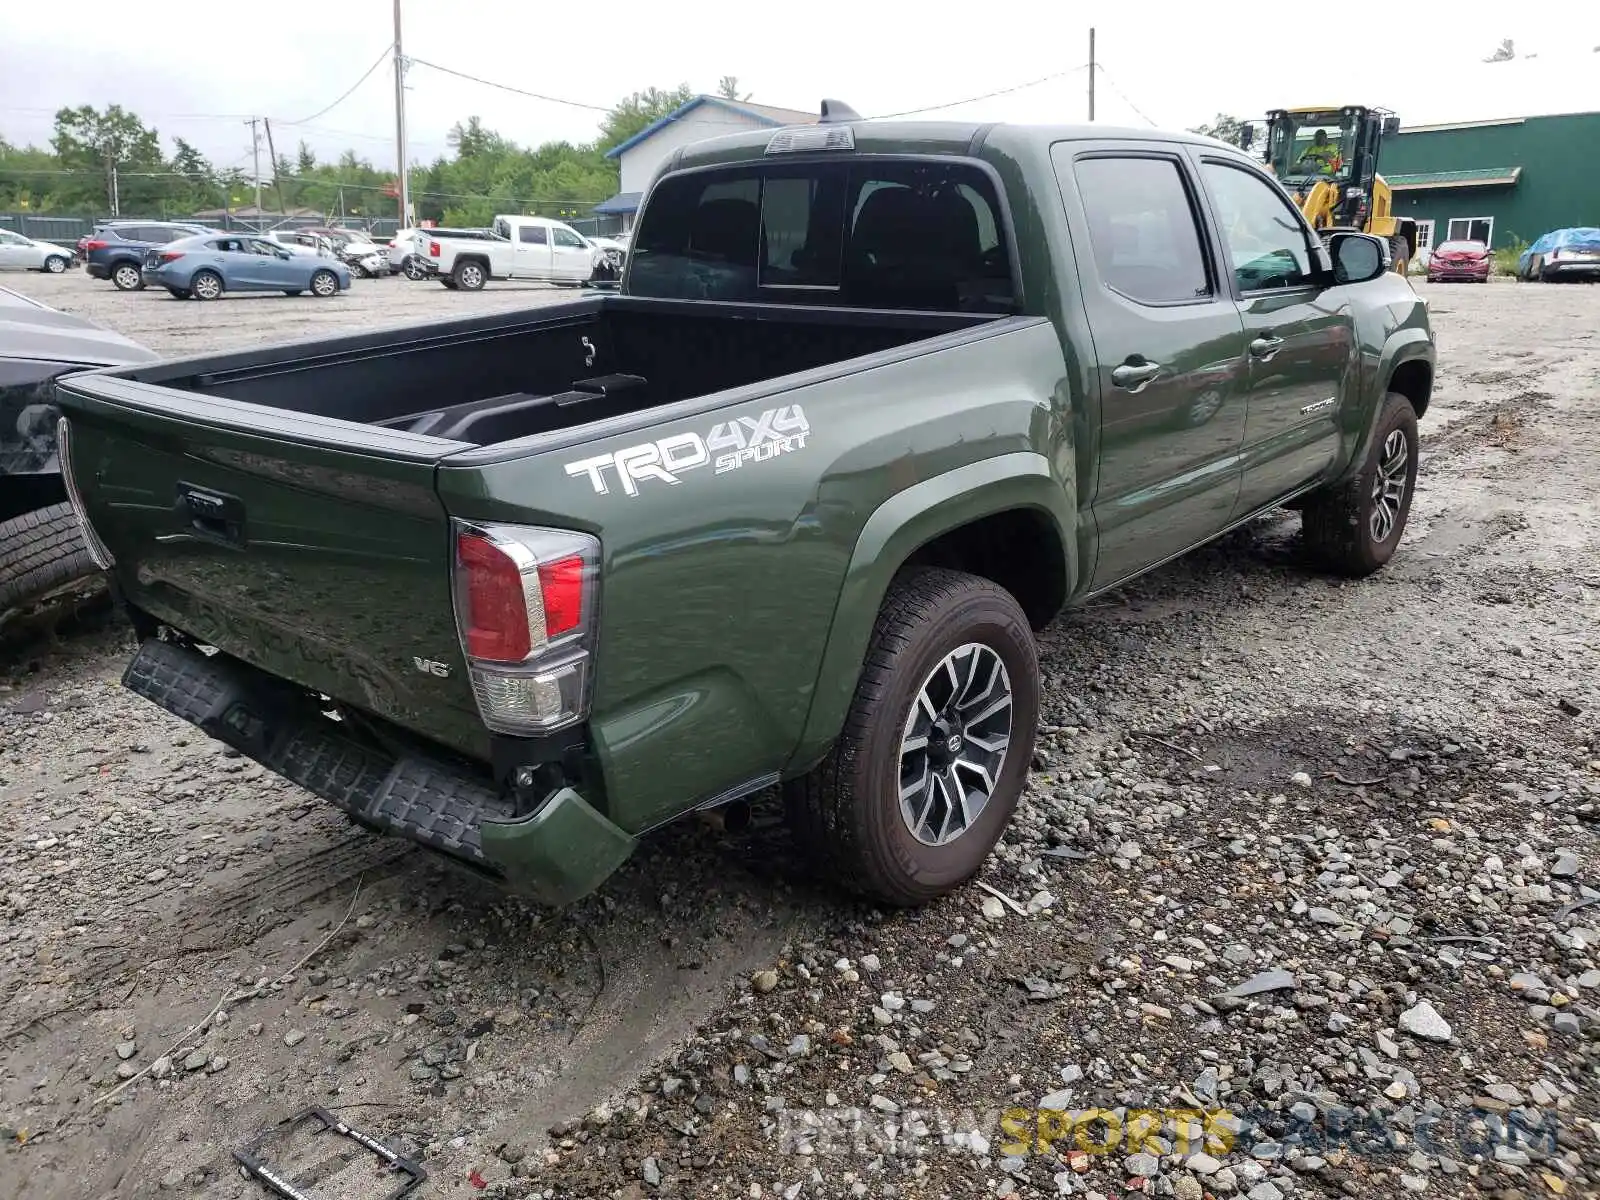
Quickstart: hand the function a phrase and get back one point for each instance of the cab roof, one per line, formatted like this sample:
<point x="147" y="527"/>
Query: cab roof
<point x="959" y="138"/>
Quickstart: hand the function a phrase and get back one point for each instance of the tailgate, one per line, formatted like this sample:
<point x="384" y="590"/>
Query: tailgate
<point x="315" y="549"/>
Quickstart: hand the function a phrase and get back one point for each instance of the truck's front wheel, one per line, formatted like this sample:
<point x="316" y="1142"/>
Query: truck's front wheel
<point x="1354" y="527"/>
<point x="935" y="748"/>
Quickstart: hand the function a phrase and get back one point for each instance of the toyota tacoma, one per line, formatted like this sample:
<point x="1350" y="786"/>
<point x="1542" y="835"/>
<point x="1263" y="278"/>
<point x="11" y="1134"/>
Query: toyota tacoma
<point x="874" y="403"/>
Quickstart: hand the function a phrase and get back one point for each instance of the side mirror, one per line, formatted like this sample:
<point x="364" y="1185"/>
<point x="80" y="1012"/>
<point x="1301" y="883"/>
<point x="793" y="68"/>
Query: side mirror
<point x="1357" y="257"/>
<point x="1391" y="126"/>
<point x="1247" y="134"/>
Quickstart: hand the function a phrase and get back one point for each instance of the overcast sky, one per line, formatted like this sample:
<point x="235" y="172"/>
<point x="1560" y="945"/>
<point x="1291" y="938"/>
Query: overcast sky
<point x="198" y="69"/>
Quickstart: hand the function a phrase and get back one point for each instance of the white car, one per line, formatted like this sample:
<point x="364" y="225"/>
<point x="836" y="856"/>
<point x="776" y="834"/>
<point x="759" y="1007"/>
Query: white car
<point x="301" y="243"/>
<point x="615" y="250"/>
<point x="24" y="254"/>
<point x="361" y="254"/>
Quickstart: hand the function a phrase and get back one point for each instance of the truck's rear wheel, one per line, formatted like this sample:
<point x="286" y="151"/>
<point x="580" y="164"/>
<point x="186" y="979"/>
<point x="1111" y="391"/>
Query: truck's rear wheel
<point x="41" y="553"/>
<point x="470" y="276"/>
<point x="935" y="748"/>
<point x="1354" y="527"/>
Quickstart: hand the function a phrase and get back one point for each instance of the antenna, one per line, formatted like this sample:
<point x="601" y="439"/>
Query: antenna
<point x="835" y="111"/>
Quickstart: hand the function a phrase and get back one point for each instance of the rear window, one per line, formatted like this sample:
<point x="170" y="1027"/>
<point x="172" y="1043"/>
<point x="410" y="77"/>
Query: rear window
<point x="872" y="234"/>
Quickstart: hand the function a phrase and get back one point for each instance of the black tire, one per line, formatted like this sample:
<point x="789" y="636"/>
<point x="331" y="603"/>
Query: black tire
<point x="1400" y="252"/>
<point x="846" y="813"/>
<point x="470" y="275"/>
<point x="450" y="284"/>
<point x="413" y="269"/>
<point x="125" y="277"/>
<point x="1341" y="525"/>
<point x="41" y="552"/>
<point x="324" y="283"/>
<point x="179" y="293"/>
<point x="54" y="265"/>
<point x="206" y="285"/>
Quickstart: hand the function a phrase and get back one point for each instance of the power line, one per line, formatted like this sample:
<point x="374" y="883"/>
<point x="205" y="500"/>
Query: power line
<point x="1005" y="91"/>
<point x="345" y="95"/>
<point x="506" y="87"/>
<point x="1123" y="96"/>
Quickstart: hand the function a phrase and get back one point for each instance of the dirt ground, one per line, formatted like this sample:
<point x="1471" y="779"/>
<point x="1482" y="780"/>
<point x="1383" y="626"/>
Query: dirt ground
<point x="1389" y="790"/>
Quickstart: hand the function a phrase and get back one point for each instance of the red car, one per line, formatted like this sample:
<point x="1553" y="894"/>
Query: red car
<point x="1459" y="260"/>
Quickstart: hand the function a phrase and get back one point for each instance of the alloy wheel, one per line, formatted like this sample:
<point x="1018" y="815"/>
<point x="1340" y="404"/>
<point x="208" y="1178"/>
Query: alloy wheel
<point x="1389" y="487"/>
<point x="954" y="744"/>
<point x="207" y="286"/>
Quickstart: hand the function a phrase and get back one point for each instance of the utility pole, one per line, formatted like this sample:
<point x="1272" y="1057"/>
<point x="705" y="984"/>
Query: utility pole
<point x="277" y="180"/>
<point x="255" y="147"/>
<point x="400" y="120"/>
<point x="1091" y="75"/>
<point x="111" y="182"/>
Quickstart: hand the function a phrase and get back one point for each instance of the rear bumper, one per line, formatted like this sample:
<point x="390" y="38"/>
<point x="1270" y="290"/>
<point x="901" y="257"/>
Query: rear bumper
<point x="97" y="270"/>
<point x="1574" y="270"/>
<point x="557" y="853"/>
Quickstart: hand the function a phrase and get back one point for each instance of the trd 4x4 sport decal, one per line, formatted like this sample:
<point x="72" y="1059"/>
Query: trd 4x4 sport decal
<point x="729" y="446"/>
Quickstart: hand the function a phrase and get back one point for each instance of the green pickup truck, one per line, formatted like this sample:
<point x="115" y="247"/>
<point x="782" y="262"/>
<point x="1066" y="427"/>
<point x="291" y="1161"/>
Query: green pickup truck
<point x="875" y="401"/>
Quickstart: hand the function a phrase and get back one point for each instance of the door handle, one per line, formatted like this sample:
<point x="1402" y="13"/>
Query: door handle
<point x="1265" y="347"/>
<point x="1135" y="375"/>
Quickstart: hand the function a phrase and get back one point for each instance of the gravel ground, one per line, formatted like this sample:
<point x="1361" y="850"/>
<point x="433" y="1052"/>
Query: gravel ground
<point x="187" y="327"/>
<point x="1301" y="901"/>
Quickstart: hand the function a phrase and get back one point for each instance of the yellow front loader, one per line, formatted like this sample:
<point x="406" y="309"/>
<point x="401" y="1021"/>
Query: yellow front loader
<point x="1327" y="159"/>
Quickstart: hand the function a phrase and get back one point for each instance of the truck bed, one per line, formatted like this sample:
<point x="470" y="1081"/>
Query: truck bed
<point x="487" y="380"/>
<point x="292" y="506"/>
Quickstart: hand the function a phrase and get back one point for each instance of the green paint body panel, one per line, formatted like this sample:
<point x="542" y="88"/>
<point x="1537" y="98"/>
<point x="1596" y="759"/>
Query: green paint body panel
<point x="559" y="854"/>
<point x="1558" y="186"/>
<point x="735" y="608"/>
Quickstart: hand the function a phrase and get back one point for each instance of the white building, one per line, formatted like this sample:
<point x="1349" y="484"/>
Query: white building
<point x="701" y="118"/>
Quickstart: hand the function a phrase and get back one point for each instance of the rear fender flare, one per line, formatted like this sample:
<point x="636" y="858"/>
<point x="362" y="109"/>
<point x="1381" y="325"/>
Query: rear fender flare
<point x="897" y="528"/>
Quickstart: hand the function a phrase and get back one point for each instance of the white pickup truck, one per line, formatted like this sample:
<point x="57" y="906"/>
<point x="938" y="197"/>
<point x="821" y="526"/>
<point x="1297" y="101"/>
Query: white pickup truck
<point x="533" y="248"/>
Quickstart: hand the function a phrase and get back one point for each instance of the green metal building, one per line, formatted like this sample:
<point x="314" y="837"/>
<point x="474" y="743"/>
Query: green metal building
<point x="1496" y="181"/>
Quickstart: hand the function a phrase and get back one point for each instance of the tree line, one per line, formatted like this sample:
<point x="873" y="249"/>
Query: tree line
<point x="98" y="159"/>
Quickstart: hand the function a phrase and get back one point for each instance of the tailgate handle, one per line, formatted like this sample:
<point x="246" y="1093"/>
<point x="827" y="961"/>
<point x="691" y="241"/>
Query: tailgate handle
<point x="214" y="516"/>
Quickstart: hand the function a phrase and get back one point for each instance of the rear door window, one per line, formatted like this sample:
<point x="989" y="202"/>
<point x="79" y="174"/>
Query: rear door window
<point x="532" y="235"/>
<point x="1142" y="228"/>
<point x="889" y="233"/>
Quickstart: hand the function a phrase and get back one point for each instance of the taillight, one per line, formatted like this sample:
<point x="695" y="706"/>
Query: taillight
<point x="525" y="606"/>
<point x="433" y="249"/>
<point x="171" y="255"/>
<point x="95" y="244"/>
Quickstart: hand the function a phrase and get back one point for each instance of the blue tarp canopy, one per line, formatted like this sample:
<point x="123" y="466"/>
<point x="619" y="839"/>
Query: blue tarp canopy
<point x="622" y="202"/>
